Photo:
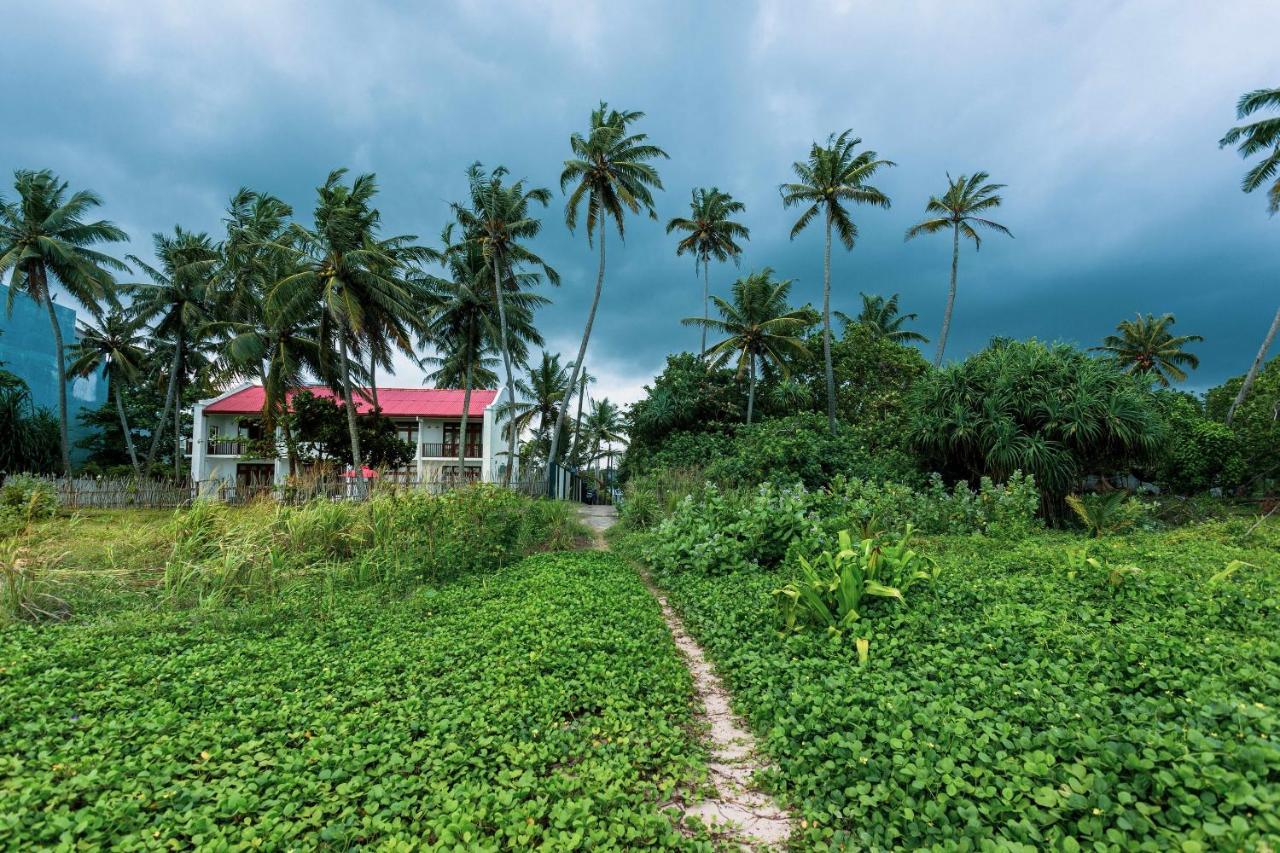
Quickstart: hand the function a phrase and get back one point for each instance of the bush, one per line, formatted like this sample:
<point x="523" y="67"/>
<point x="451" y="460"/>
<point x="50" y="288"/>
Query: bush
<point x="1199" y="453"/>
<point x="28" y="498"/>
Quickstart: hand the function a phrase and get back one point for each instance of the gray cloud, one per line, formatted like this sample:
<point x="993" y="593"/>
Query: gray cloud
<point x="1101" y="117"/>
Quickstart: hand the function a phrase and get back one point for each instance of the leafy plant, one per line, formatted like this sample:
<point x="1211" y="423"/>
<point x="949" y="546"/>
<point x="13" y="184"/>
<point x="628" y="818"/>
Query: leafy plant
<point x="833" y="586"/>
<point x="1108" y="512"/>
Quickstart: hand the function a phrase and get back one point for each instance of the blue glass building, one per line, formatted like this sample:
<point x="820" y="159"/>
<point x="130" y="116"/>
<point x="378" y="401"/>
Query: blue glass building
<point x="26" y="350"/>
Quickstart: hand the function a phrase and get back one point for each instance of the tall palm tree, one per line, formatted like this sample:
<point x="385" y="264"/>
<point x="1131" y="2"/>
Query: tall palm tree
<point x="355" y="278"/>
<point x="1146" y="345"/>
<point x="958" y="209"/>
<point x="604" y="425"/>
<point x="761" y="327"/>
<point x="177" y="304"/>
<point x="710" y="233"/>
<point x="499" y="221"/>
<point x="1259" y="136"/>
<point x="584" y="379"/>
<point x="833" y="174"/>
<point x="466" y="323"/>
<point x="114" y="344"/>
<point x="611" y="173"/>
<point x="544" y="394"/>
<point x="885" y="318"/>
<point x="44" y="238"/>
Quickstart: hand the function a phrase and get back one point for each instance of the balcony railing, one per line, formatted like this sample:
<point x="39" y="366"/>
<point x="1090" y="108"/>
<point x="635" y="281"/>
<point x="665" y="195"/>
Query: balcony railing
<point x="449" y="450"/>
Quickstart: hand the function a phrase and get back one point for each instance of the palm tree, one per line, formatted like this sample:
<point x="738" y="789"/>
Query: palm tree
<point x="604" y="425"/>
<point x="761" y="328"/>
<point x="177" y="305"/>
<point x="710" y="233"/>
<point x="466" y="323"/>
<point x="1146" y="345"/>
<point x="113" y="343"/>
<point x="44" y="235"/>
<point x="354" y="277"/>
<point x="544" y="394"/>
<point x="1259" y="136"/>
<point x="499" y="222"/>
<point x="584" y="379"/>
<point x="833" y="174"/>
<point x="958" y="209"/>
<point x="610" y="167"/>
<point x="884" y="318"/>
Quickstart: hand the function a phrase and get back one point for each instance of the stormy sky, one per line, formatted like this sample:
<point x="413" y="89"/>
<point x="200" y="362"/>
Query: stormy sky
<point x="1101" y="117"/>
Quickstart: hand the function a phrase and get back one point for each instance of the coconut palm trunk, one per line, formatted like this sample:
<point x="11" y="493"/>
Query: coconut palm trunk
<point x="177" y="431"/>
<point x="373" y="379"/>
<point x="506" y="362"/>
<point x="61" y="357"/>
<point x="357" y="464"/>
<point x="577" y="366"/>
<point x="706" y="304"/>
<point x="951" y="296"/>
<point x="577" y="424"/>
<point x="124" y="426"/>
<point x="466" y="401"/>
<point x="826" y="329"/>
<point x="751" y="392"/>
<point x="1252" y="375"/>
<point x="168" y="403"/>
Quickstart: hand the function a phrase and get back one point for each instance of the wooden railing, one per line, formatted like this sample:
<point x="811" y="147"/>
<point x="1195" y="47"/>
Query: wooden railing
<point x="449" y="450"/>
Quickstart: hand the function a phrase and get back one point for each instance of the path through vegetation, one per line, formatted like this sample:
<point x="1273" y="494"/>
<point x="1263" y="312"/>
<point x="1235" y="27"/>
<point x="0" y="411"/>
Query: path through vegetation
<point x="746" y="814"/>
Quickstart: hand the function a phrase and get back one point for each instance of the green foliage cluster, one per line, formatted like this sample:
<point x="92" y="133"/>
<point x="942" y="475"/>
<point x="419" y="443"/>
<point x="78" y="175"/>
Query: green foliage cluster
<point x="1256" y="426"/>
<point x="321" y="424"/>
<point x="719" y="531"/>
<point x="1050" y="411"/>
<point x="28" y="434"/>
<point x="29" y="497"/>
<point x="1018" y="703"/>
<point x="1200" y="453"/>
<point x="221" y="555"/>
<point x="545" y="708"/>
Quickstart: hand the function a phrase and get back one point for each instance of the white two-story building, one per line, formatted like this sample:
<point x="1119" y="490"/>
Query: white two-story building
<point x="228" y="435"/>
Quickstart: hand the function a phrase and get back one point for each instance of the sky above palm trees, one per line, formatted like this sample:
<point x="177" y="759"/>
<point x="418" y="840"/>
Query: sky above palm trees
<point x="1101" y="117"/>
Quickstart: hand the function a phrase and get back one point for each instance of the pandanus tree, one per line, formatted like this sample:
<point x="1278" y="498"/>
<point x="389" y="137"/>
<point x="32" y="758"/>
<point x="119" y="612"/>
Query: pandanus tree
<point x="761" y="328"/>
<point x="611" y="175"/>
<point x="46" y="240"/>
<point x="115" y="344"/>
<point x="835" y="174"/>
<point x="1146" y="346"/>
<point x="177" y="303"/>
<point x="500" y="222"/>
<point x="710" y="234"/>
<point x="959" y="210"/>
<point x="466" y="324"/>
<point x="1259" y="137"/>
<point x="355" y="278"/>
<point x="884" y="318"/>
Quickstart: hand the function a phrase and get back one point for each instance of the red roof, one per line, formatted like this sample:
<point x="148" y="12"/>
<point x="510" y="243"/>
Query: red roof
<point x="395" y="402"/>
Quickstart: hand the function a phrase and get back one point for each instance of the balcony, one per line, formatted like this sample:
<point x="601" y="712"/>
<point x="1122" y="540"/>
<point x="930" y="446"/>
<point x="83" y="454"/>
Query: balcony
<point x="438" y="450"/>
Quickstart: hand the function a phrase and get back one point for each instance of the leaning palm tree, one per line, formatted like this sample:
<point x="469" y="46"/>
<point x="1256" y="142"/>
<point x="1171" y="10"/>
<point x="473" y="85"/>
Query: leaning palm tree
<point x="604" y="426"/>
<point x="832" y="175"/>
<point x="1146" y="345"/>
<point x="44" y="238"/>
<point x="761" y="328"/>
<point x="114" y="344"/>
<point x="1258" y="137"/>
<point x="354" y="277"/>
<point x="177" y="305"/>
<point x="611" y="172"/>
<point x="958" y="209"/>
<point x="710" y="233"/>
<point x="499" y="221"/>
<point x="584" y="379"/>
<point x="884" y="318"/>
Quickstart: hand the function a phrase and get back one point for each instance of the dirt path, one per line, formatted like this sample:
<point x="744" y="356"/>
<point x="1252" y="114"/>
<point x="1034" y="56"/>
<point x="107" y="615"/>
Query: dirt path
<point x="739" y="811"/>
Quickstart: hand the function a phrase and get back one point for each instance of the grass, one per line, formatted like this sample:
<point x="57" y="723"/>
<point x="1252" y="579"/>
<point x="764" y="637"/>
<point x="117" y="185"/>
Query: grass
<point x="1026" y="700"/>
<point x="540" y="704"/>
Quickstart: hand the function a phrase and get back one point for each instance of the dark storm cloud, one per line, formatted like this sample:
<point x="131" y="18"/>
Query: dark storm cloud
<point x="1101" y="117"/>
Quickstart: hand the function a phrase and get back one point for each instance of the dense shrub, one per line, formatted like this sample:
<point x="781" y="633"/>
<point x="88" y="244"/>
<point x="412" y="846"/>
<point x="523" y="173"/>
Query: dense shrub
<point x="543" y="707"/>
<point x="721" y="531"/>
<point x="1017" y="704"/>
<point x="1256" y="426"/>
<point x="1199" y="453"/>
<point x="26" y="497"/>
<point x="1051" y="411"/>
